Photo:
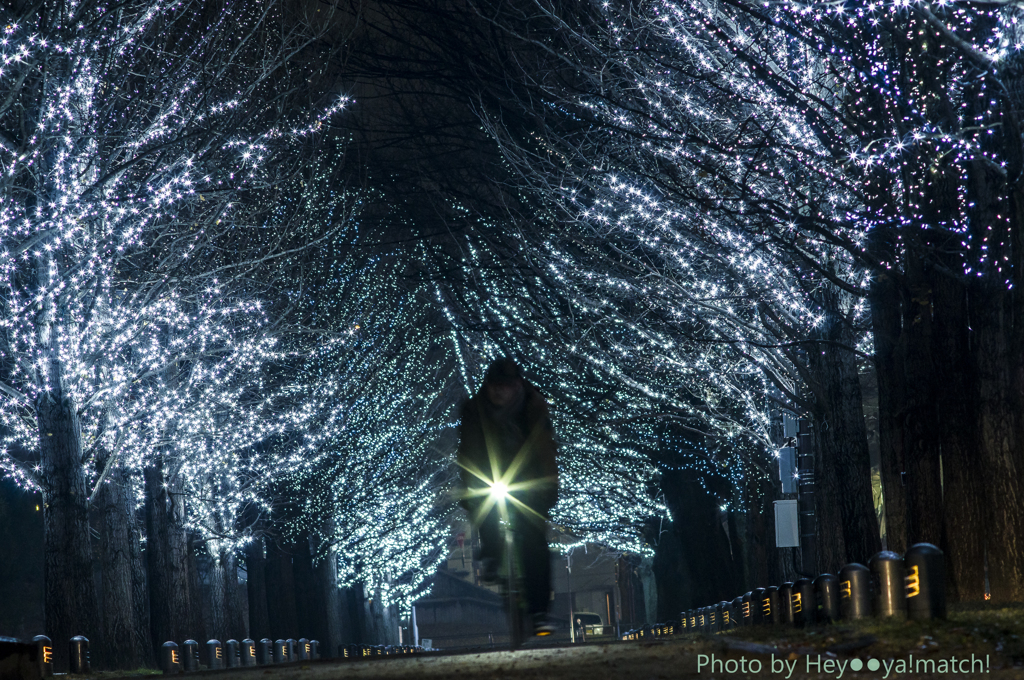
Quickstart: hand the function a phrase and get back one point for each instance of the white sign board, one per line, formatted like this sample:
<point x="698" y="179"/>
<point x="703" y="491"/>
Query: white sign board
<point x="787" y="527"/>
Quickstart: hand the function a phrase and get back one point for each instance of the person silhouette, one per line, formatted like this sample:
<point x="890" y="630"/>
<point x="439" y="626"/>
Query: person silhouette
<point x="507" y="462"/>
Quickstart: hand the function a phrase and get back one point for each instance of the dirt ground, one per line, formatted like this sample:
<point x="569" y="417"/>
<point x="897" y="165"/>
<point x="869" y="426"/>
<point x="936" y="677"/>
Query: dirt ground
<point x="721" y="657"/>
<point x="975" y="643"/>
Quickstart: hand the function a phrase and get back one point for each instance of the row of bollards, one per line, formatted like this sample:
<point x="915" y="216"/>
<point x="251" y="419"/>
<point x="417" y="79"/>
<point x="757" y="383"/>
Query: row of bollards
<point x="890" y="586"/>
<point x="233" y="654"/>
<point x="78" y="654"/>
<point x="363" y="652"/>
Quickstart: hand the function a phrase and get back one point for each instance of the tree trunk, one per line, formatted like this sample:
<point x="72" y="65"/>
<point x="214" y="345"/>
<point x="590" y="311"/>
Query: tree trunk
<point x="844" y="507"/>
<point x="281" y="605"/>
<point x="167" y="556"/>
<point x="215" y="596"/>
<point x="234" y="621"/>
<point x="70" y="602"/>
<point x="125" y="643"/>
<point x="962" y="493"/>
<point x="999" y="443"/>
<point x="886" y="327"/>
<point x="325" y="574"/>
<point x="256" y="587"/>
<point x="305" y="590"/>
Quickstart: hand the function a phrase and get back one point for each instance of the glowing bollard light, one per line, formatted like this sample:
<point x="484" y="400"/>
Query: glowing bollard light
<point x="280" y="651"/>
<point x="854" y="592"/>
<point x="805" y="608"/>
<point x="248" y="653"/>
<point x="890" y="589"/>
<point x="170" y="658"/>
<point x="772" y="606"/>
<point x="747" y="609"/>
<point x="925" y="581"/>
<point x="44" y="654"/>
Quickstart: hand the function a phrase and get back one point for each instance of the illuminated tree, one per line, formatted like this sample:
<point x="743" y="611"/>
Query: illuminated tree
<point x="140" y="144"/>
<point x="825" y="165"/>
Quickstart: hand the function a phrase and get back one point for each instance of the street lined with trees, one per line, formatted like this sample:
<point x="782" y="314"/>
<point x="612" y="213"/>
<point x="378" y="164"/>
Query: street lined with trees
<point x="253" y="256"/>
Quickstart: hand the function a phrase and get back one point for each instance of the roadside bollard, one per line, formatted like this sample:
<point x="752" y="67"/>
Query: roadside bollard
<point x="786" y="601"/>
<point x="231" y="657"/>
<point x="854" y="592"/>
<point x="736" y="612"/>
<point x="314" y="650"/>
<point x="772" y="606"/>
<point x="170" y="661"/>
<point x="925" y="570"/>
<point x="264" y="652"/>
<point x="826" y="589"/>
<point x="214" y="655"/>
<point x="890" y="588"/>
<point x="715" y="616"/>
<point x="746" y="610"/>
<point x="757" y="606"/>
<point x="722" y="614"/>
<point x="280" y="651"/>
<point x="79" y="649"/>
<point x="804" y="606"/>
<point x="693" y="621"/>
<point x="303" y="649"/>
<point x="291" y="649"/>
<point x="44" y="654"/>
<point x="190" y="656"/>
<point x="248" y="653"/>
<point x="682" y="622"/>
<point x="925" y="582"/>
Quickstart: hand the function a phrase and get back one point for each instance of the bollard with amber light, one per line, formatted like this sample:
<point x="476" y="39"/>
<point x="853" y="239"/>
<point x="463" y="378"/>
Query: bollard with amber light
<point x="280" y="651"/>
<point x="772" y="606"/>
<point x="265" y="652"/>
<point x="303" y="649"/>
<point x="890" y="589"/>
<point x="757" y="606"/>
<point x="854" y="592"/>
<point x="693" y="627"/>
<point x="190" y="656"/>
<point x="44" y="654"/>
<point x="925" y="582"/>
<point x="248" y="653"/>
<point x="721" y="618"/>
<point x="170" y="658"/>
<point x="826" y="589"/>
<point x="232" y="659"/>
<point x="786" y="602"/>
<point x="746" y="609"/>
<point x="214" y="654"/>
<point x="79" y="649"/>
<point x="805" y="608"/>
